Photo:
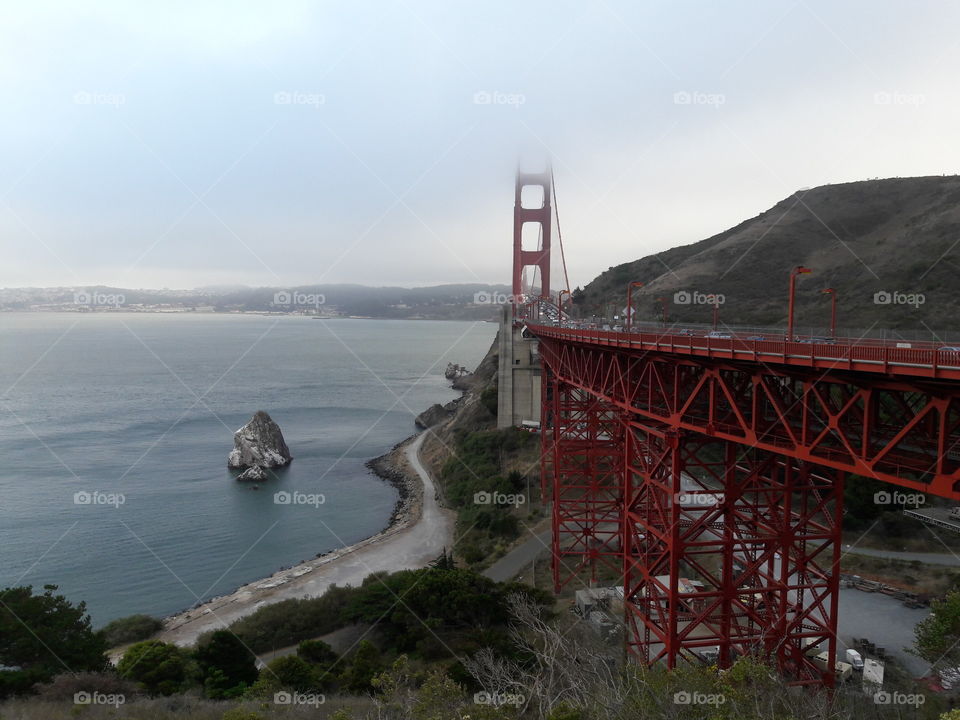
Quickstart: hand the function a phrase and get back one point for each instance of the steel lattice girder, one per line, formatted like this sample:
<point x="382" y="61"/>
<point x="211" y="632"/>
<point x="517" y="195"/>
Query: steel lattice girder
<point x="903" y="431"/>
<point x="758" y="533"/>
<point x="582" y="437"/>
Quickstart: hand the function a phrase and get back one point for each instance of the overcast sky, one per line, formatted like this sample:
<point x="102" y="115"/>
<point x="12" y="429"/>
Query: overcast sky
<point x="182" y="144"/>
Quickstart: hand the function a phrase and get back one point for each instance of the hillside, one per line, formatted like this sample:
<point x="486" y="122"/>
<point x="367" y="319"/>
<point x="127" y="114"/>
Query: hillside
<point x="896" y="235"/>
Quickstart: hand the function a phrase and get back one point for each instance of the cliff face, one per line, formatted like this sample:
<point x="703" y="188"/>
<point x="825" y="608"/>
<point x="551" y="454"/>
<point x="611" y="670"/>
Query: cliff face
<point x="861" y="238"/>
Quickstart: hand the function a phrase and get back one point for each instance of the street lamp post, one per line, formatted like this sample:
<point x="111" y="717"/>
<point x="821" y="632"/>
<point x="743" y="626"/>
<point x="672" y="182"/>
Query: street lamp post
<point x="833" y="311"/>
<point x="560" y="307"/>
<point x="630" y="288"/>
<point x="663" y="310"/>
<point x="716" y="313"/>
<point x="799" y="270"/>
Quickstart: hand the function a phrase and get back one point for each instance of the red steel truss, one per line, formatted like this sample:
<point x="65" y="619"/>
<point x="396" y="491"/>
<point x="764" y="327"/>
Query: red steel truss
<point x="716" y="488"/>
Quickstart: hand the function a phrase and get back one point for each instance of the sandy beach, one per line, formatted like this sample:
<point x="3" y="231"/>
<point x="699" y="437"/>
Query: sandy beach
<point x="419" y="533"/>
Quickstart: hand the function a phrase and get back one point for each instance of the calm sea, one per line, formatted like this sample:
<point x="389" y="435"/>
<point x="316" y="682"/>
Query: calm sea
<point x="138" y="413"/>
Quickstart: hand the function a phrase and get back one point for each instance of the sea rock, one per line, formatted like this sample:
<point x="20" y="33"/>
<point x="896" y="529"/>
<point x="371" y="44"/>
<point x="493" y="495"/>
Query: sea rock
<point x="253" y="474"/>
<point x="259" y="443"/>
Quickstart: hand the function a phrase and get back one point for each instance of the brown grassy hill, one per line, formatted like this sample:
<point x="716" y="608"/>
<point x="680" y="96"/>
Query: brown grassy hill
<point x="896" y="235"/>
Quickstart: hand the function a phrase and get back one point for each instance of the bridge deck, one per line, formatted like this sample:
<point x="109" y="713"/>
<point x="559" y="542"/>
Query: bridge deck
<point x="926" y="360"/>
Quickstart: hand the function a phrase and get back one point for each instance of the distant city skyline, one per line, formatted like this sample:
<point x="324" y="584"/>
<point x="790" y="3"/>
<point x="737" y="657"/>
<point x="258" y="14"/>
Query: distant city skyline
<point x="218" y="144"/>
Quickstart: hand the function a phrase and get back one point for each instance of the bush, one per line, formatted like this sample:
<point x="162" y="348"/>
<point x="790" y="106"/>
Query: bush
<point x="66" y="685"/>
<point x="133" y="628"/>
<point x="226" y="666"/>
<point x="160" y="668"/>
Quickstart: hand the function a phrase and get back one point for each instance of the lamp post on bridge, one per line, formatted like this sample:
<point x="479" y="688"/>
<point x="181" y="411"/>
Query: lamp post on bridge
<point x="663" y="310"/>
<point x="833" y="311"/>
<point x="798" y="270"/>
<point x="560" y="306"/>
<point x="716" y="313"/>
<point x="630" y="287"/>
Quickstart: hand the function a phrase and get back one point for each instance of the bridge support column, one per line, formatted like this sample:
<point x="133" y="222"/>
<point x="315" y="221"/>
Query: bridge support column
<point x="728" y="551"/>
<point x="581" y="450"/>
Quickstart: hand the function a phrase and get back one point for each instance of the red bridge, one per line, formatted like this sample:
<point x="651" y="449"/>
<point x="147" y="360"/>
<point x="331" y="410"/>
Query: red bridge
<point x="706" y="473"/>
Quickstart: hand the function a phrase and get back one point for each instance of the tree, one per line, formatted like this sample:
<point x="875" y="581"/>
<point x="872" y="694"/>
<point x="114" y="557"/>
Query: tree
<point x="938" y="635"/>
<point x="160" y="668"/>
<point x="227" y="667"/>
<point x="44" y="635"/>
<point x="287" y="673"/>
<point x="364" y="665"/>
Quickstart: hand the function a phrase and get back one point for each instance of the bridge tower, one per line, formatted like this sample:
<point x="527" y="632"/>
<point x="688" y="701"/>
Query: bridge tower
<point x="537" y="215"/>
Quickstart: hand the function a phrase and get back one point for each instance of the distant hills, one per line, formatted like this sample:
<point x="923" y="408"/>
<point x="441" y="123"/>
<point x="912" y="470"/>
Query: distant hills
<point x="441" y="302"/>
<point x="890" y="248"/>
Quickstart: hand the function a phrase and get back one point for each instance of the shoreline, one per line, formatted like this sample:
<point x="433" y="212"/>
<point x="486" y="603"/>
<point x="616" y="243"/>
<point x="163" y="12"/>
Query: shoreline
<point x="400" y="467"/>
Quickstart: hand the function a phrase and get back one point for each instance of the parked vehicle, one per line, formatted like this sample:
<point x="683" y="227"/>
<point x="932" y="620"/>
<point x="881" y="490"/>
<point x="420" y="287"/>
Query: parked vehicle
<point x="855" y="659"/>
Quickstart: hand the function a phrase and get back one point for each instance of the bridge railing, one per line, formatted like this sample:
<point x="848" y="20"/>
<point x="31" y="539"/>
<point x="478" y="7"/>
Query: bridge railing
<point x="871" y="354"/>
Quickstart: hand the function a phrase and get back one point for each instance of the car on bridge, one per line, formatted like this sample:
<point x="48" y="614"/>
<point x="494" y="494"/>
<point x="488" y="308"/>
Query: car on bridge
<point x="717" y="335"/>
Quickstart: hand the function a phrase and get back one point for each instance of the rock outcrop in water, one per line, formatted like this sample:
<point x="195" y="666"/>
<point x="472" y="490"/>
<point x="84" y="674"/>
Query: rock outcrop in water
<point x="259" y="444"/>
<point x="253" y="474"/>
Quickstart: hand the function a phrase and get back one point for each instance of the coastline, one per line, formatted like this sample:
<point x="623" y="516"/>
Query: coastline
<point x="416" y="533"/>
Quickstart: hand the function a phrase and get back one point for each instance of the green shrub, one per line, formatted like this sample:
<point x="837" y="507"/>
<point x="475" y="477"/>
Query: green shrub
<point x="130" y="629"/>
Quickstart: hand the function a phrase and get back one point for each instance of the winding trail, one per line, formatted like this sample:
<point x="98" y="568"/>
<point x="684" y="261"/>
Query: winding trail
<point x="401" y="548"/>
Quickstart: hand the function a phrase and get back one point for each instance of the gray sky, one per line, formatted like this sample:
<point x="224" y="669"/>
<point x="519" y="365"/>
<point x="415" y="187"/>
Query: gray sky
<point x="189" y="143"/>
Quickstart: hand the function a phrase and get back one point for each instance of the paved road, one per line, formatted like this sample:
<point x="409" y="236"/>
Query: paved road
<point x="517" y="559"/>
<point x="929" y="558"/>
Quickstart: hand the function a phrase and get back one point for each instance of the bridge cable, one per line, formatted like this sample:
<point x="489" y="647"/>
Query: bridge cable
<point x="556" y="210"/>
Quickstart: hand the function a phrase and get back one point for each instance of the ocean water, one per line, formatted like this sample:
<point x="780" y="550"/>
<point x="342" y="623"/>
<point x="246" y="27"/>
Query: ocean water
<point x="138" y="413"/>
